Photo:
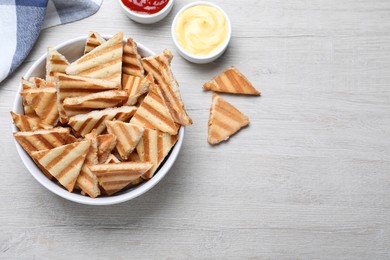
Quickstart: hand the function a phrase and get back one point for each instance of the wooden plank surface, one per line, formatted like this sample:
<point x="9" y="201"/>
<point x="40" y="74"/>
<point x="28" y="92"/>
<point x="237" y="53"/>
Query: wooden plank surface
<point x="308" y="179"/>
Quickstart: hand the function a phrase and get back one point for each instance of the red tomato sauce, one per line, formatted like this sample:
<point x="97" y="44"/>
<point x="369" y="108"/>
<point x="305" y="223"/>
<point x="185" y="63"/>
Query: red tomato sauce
<point x="145" y="6"/>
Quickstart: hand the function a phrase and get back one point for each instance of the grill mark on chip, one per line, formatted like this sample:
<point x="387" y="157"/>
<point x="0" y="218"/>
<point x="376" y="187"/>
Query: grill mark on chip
<point x="57" y="159"/>
<point x="64" y="172"/>
<point x="223" y="125"/>
<point x="58" y="62"/>
<point x="232" y="77"/>
<point x="43" y="140"/>
<point x="92" y="44"/>
<point x="130" y="55"/>
<point x="83" y="126"/>
<point x="100" y="121"/>
<point x="26" y="143"/>
<point x="157" y="114"/>
<point x="130" y="65"/>
<point x="25" y="124"/>
<point x="160" y="144"/>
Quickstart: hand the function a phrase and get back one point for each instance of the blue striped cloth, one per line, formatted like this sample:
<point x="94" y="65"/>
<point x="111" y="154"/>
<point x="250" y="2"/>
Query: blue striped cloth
<point x="22" y="20"/>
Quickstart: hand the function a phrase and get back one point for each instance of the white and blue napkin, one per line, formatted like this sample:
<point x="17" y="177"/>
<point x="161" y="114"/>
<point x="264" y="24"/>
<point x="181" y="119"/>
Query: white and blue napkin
<point x="22" y="20"/>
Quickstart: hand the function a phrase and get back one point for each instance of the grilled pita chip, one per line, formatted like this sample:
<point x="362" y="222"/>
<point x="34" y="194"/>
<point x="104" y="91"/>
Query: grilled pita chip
<point x="92" y="156"/>
<point x="94" y="40"/>
<point x="153" y="147"/>
<point x="75" y="86"/>
<point x="27" y="98"/>
<point x="64" y="162"/>
<point x="231" y="81"/>
<point x="87" y="181"/>
<point x="112" y="159"/>
<point x="42" y="139"/>
<point x="27" y="84"/>
<point x="55" y="62"/>
<point x="41" y="83"/>
<point x="106" y="143"/>
<point x="131" y="61"/>
<point x="81" y="105"/>
<point x="103" y="62"/>
<point x="45" y="106"/>
<point x="113" y="177"/>
<point x="136" y="87"/>
<point x="85" y="123"/>
<point x="153" y="113"/>
<point x="27" y="123"/>
<point x="225" y="120"/>
<point x="127" y="136"/>
<point x="41" y="101"/>
<point x="159" y="67"/>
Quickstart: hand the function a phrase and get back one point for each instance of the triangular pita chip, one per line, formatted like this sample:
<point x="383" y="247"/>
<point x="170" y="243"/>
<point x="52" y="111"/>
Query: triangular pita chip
<point x="87" y="181"/>
<point x="131" y="64"/>
<point x="42" y="101"/>
<point x="85" y="123"/>
<point x="127" y="136"/>
<point x="153" y="113"/>
<point x="224" y="121"/>
<point x="136" y="87"/>
<point x="153" y="147"/>
<point x="231" y="81"/>
<point x="113" y="177"/>
<point x="75" y="86"/>
<point x="42" y="139"/>
<point x="81" y="105"/>
<point x="27" y="84"/>
<point x="103" y="62"/>
<point x="64" y="162"/>
<point x="159" y="67"/>
<point x="55" y="62"/>
<point x="94" y="39"/>
<point x="92" y="156"/>
<point x="106" y="143"/>
<point x="27" y="123"/>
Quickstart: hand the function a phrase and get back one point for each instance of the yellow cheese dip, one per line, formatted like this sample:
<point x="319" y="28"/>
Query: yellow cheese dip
<point x="201" y="29"/>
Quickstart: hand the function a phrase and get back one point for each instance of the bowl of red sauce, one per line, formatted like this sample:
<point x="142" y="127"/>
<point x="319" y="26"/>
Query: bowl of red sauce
<point x="146" y="11"/>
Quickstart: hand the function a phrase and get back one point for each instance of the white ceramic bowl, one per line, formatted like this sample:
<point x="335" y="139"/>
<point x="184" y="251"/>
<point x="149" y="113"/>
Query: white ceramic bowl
<point x="73" y="49"/>
<point x="147" y="18"/>
<point x="201" y="59"/>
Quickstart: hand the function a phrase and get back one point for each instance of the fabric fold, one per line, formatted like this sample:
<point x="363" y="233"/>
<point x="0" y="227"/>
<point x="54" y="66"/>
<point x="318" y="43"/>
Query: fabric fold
<point x="21" y="22"/>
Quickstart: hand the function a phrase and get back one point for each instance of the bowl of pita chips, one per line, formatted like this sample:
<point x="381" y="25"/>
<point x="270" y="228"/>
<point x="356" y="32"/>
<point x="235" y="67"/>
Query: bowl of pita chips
<point x="99" y="120"/>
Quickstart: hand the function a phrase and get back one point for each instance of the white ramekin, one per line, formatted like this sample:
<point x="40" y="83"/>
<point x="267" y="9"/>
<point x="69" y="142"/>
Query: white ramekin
<point x="201" y="59"/>
<point x="147" y="18"/>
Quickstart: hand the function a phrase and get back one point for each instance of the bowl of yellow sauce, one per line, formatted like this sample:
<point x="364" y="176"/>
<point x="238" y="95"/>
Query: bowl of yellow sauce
<point x="201" y="32"/>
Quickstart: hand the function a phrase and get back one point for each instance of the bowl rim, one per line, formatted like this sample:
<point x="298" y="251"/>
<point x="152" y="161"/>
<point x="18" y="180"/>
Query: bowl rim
<point x="218" y="51"/>
<point x="147" y="16"/>
<point x="57" y="189"/>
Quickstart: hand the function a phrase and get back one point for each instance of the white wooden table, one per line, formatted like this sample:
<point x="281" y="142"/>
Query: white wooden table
<point x="308" y="179"/>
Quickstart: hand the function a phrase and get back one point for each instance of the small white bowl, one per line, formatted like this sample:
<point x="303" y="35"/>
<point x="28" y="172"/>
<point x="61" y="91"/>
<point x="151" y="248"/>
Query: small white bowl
<point x="72" y="50"/>
<point x="147" y="18"/>
<point x="201" y="59"/>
